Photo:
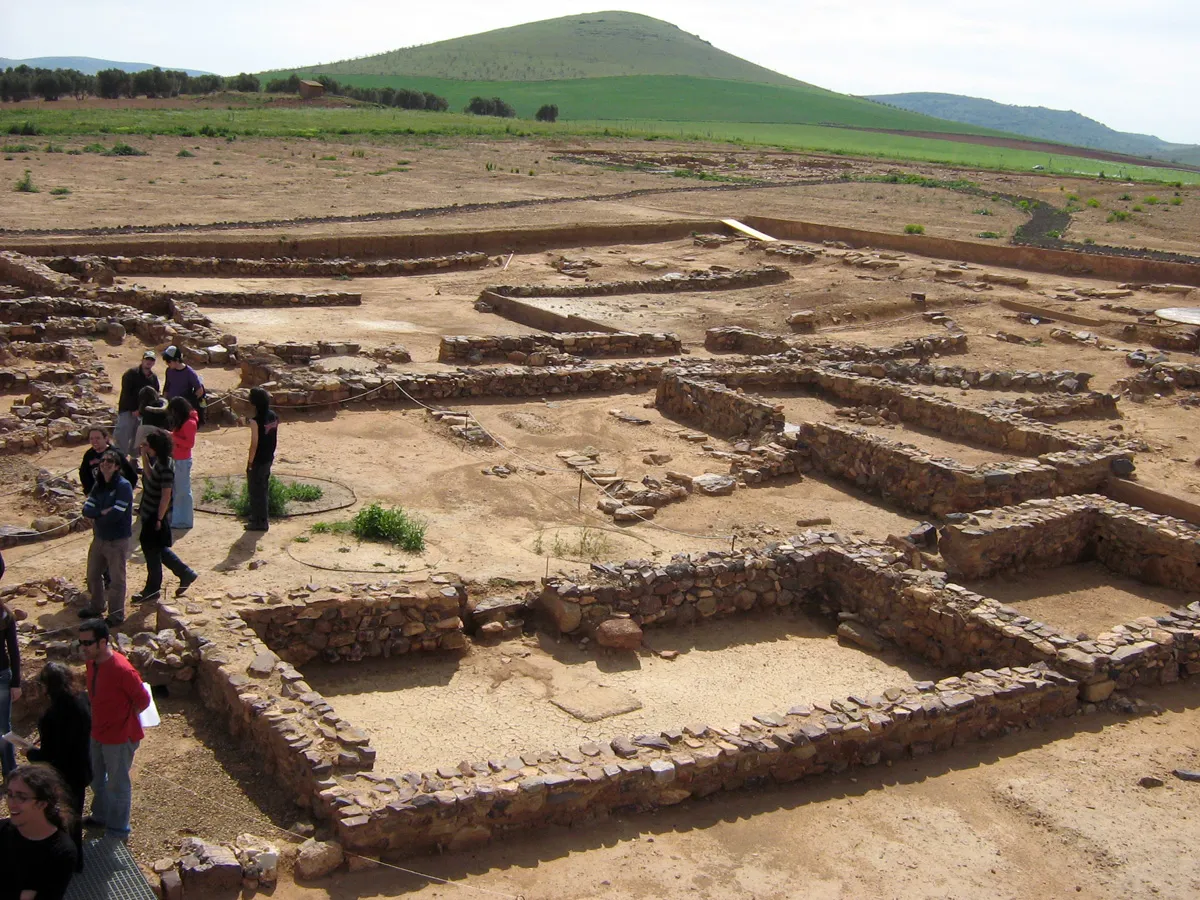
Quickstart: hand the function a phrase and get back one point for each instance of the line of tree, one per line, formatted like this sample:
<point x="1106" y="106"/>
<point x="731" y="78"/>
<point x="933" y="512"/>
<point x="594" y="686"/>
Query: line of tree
<point x="385" y="96"/>
<point x="25" y="83"/>
<point x="481" y="106"/>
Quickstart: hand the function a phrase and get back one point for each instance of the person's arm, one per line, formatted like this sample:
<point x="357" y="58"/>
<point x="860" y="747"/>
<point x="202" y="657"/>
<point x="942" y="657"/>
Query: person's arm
<point x="135" y="690"/>
<point x="14" y="658"/>
<point x="253" y="445"/>
<point x="129" y="470"/>
<point x="86" y="478"/>
<point x="91" y="506"/>
<point x="197" y="384"/>
<point x="122" y="503"/>
<point x="164" y="504"/>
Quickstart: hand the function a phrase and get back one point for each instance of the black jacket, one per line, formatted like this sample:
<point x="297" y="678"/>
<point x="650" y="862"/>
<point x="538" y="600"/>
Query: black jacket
<point x="89" y="469"/>
<point x="66" y="728"/>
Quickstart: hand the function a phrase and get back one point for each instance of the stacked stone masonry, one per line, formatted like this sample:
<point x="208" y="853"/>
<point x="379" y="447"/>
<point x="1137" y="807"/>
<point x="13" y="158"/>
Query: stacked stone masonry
<point x="694" y="281"/>
<point x="193" y="266"/>
<point x="719" y="409"/>
<point x="154" y="300"/>
<point x="521" y="349"/>
<point x="732" y="339"/>
<point x="34" y="275"/>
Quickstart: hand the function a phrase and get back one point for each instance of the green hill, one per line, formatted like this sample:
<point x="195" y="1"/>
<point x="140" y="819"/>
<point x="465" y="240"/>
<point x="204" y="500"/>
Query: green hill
<point x="1057" y="125"/>
<point x="581" y="46"/>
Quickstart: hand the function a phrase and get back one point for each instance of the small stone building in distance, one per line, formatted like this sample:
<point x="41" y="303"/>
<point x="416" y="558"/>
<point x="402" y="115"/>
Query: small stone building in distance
<point x="311" y="90"/>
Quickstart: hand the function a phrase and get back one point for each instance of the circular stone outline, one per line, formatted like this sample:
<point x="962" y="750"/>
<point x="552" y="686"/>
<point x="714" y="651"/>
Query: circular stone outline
<point x="340" y="498"/>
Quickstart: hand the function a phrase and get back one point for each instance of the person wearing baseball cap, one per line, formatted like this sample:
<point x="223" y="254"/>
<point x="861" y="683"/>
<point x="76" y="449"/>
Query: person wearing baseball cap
<point x="139" y="376"/>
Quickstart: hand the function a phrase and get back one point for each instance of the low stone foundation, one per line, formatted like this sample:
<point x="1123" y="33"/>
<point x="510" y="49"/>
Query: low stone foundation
<point x="34" y="275"/>
<point x="668" y="284"/>
<point x="196" y="266"/>
<point x="157" y="301"/>
<point x="716" y="408"/>
<point x="524" y="349"/>
<point x="732" y="339"/>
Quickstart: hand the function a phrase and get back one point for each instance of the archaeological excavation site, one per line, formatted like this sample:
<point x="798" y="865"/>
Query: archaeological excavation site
<point x="742" y="508"/>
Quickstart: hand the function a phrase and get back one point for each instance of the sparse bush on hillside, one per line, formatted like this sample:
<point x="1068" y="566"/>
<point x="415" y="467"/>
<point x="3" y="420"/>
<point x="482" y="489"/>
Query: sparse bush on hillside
<point x="25" y="184"/>
<point x="914" y="229"/>
<point x="1093" y="203"/>
<point x="989" y="235"/>
<point x="480" y="106"/>
<point x="1151" y="200"/>
<point x="547" y="113"/>
<point x="1118" y="215"/>
<point x="1125" y="197"/>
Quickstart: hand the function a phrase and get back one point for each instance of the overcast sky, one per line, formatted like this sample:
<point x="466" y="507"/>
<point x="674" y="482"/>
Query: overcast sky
<point x="1134" y="67"/>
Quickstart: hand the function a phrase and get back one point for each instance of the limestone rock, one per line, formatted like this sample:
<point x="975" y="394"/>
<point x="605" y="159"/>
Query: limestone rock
<point x="619" y="634"/>
<point x="633" y="513"/>
<point x="714" y="485"/>
<point x="860" y="635"/>
<point x="209" y="868"/>
<point x="44" y="524"/>
<point x="258" y="857"/>
<point x="317" y="859"/>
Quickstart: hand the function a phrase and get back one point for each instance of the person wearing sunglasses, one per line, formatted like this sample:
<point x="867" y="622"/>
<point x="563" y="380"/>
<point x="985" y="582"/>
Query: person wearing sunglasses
<point x="110" y="506"/>
<point x="37" y="857"/>
<point x="117" y="695"/>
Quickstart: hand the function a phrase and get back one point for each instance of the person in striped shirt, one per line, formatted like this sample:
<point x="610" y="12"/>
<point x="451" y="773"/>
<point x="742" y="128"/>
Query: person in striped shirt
<point x="110" y="507"/>
<point x="158" y="488"/>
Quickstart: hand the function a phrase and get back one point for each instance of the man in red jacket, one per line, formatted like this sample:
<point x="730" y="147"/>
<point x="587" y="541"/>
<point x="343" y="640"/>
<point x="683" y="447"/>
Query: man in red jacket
<point x="117" y="694"/>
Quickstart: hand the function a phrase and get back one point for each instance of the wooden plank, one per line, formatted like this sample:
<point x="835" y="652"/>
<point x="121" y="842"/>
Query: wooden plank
<point x="747" y="230"/>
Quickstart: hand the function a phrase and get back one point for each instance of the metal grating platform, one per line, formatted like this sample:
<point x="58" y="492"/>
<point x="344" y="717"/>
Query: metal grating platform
<point x="109" y="873"/>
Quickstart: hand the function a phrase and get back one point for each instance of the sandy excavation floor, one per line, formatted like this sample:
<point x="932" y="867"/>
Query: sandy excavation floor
<point x="1047" y="814"/>
<point x="538" y="693"/>
<point x="1081" y="598"/>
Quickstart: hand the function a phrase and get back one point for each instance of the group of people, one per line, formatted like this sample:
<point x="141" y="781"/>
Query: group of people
<point x="159" y="431"/>
<point x="87" y="738"/>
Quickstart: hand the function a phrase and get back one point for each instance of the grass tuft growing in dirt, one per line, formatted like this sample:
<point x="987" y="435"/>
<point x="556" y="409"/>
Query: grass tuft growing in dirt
<point x="375" y="523"/>
<point x="279" y="494"/>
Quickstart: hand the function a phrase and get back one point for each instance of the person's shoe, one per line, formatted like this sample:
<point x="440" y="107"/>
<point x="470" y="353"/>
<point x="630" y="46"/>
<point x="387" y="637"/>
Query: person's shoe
<point x="113" y="620"/>
<point x="145" y="596"/>
<point x="184" y="583"/>
<point x="86" y="613"/>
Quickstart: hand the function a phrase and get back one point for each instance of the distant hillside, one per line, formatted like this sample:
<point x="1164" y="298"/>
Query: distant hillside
<point x="615" y="65"/>
<point x="88" y="65"/>
<point x="1057" y="125"/>
<point x="581" y="46"/>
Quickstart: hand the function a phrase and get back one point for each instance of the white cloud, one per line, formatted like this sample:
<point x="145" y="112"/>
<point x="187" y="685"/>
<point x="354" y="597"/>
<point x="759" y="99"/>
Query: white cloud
<point x="1132" y="68"/>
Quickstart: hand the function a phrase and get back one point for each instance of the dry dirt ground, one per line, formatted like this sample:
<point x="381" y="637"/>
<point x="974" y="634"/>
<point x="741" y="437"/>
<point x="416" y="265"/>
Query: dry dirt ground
<point x="1045" y="814"/>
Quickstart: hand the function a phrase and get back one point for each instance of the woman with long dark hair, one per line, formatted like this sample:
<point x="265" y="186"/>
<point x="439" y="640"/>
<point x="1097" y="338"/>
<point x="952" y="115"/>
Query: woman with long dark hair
<point x="37" y="858"/>
<point x="264" y="433"/>
<point x="65" y="731"/>
<point x="158" y="486"/>
<point x="10" y="680"/>
<point x="152" y="416"/>
<point x="184" y="422"/>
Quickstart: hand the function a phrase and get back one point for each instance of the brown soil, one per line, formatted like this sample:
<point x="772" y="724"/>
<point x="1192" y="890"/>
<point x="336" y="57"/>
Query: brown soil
<point x="1081" y="598"/>
<point x="500" y="701"/>
<point x="1021" y="817"/>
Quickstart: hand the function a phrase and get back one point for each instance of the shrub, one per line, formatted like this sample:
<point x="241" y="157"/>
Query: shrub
<point x="25" y="184"/>
<point x="1023" y="204"/>
<point x="984" y="211"/>
<point x="374" y="523"/>
<point x="1093" y="203"/>
<point x="25" y="129"/>
<point x="989" y="235"/>
<point x="1177" y="201"/>
<point x="1151" y="200"/>
<point x="1137" y="207"/>
<point x="60" y="191"/>
<point x="1125" y="197"/>
<point x="279" y="494"/>
<point x="1072" y="197"/>
<point x="914" y="229"/>
<point x="1089" y="240"/>
<point x="94" y="148"/>
<point x="1054" y="234"/>
<point x="547" y="113"/>
<point x="17" y="148"/>
<point x="120" y="148"/>
<point x="1118" y="215"/>
<point x="185" y="152"/>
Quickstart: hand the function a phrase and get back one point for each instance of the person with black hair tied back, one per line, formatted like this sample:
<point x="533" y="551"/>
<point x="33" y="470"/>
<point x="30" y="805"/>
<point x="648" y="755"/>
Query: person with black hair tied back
<point x="152" y="416"/>
<point x="65" y="737"/>
<point x="184" y="422"/>
<point x="264" y="433"/>
<point x="37" y="858"/>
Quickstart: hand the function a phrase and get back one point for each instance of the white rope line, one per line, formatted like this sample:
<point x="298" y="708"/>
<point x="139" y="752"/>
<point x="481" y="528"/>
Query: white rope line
<point x="379" y="862"/>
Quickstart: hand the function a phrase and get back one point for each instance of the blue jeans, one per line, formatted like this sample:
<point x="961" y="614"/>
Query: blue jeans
<point x="181" y="499"/>
<point x="8" y="756"/>
<point x="112" y="791"/>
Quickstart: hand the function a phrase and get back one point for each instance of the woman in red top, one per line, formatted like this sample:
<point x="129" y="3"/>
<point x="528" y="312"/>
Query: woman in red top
<point x="184" y="422"/>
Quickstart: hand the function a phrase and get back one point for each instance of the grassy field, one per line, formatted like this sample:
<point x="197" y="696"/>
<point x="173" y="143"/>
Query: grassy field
<point x="372" y="123"/>
<point x="675" y="98"/>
